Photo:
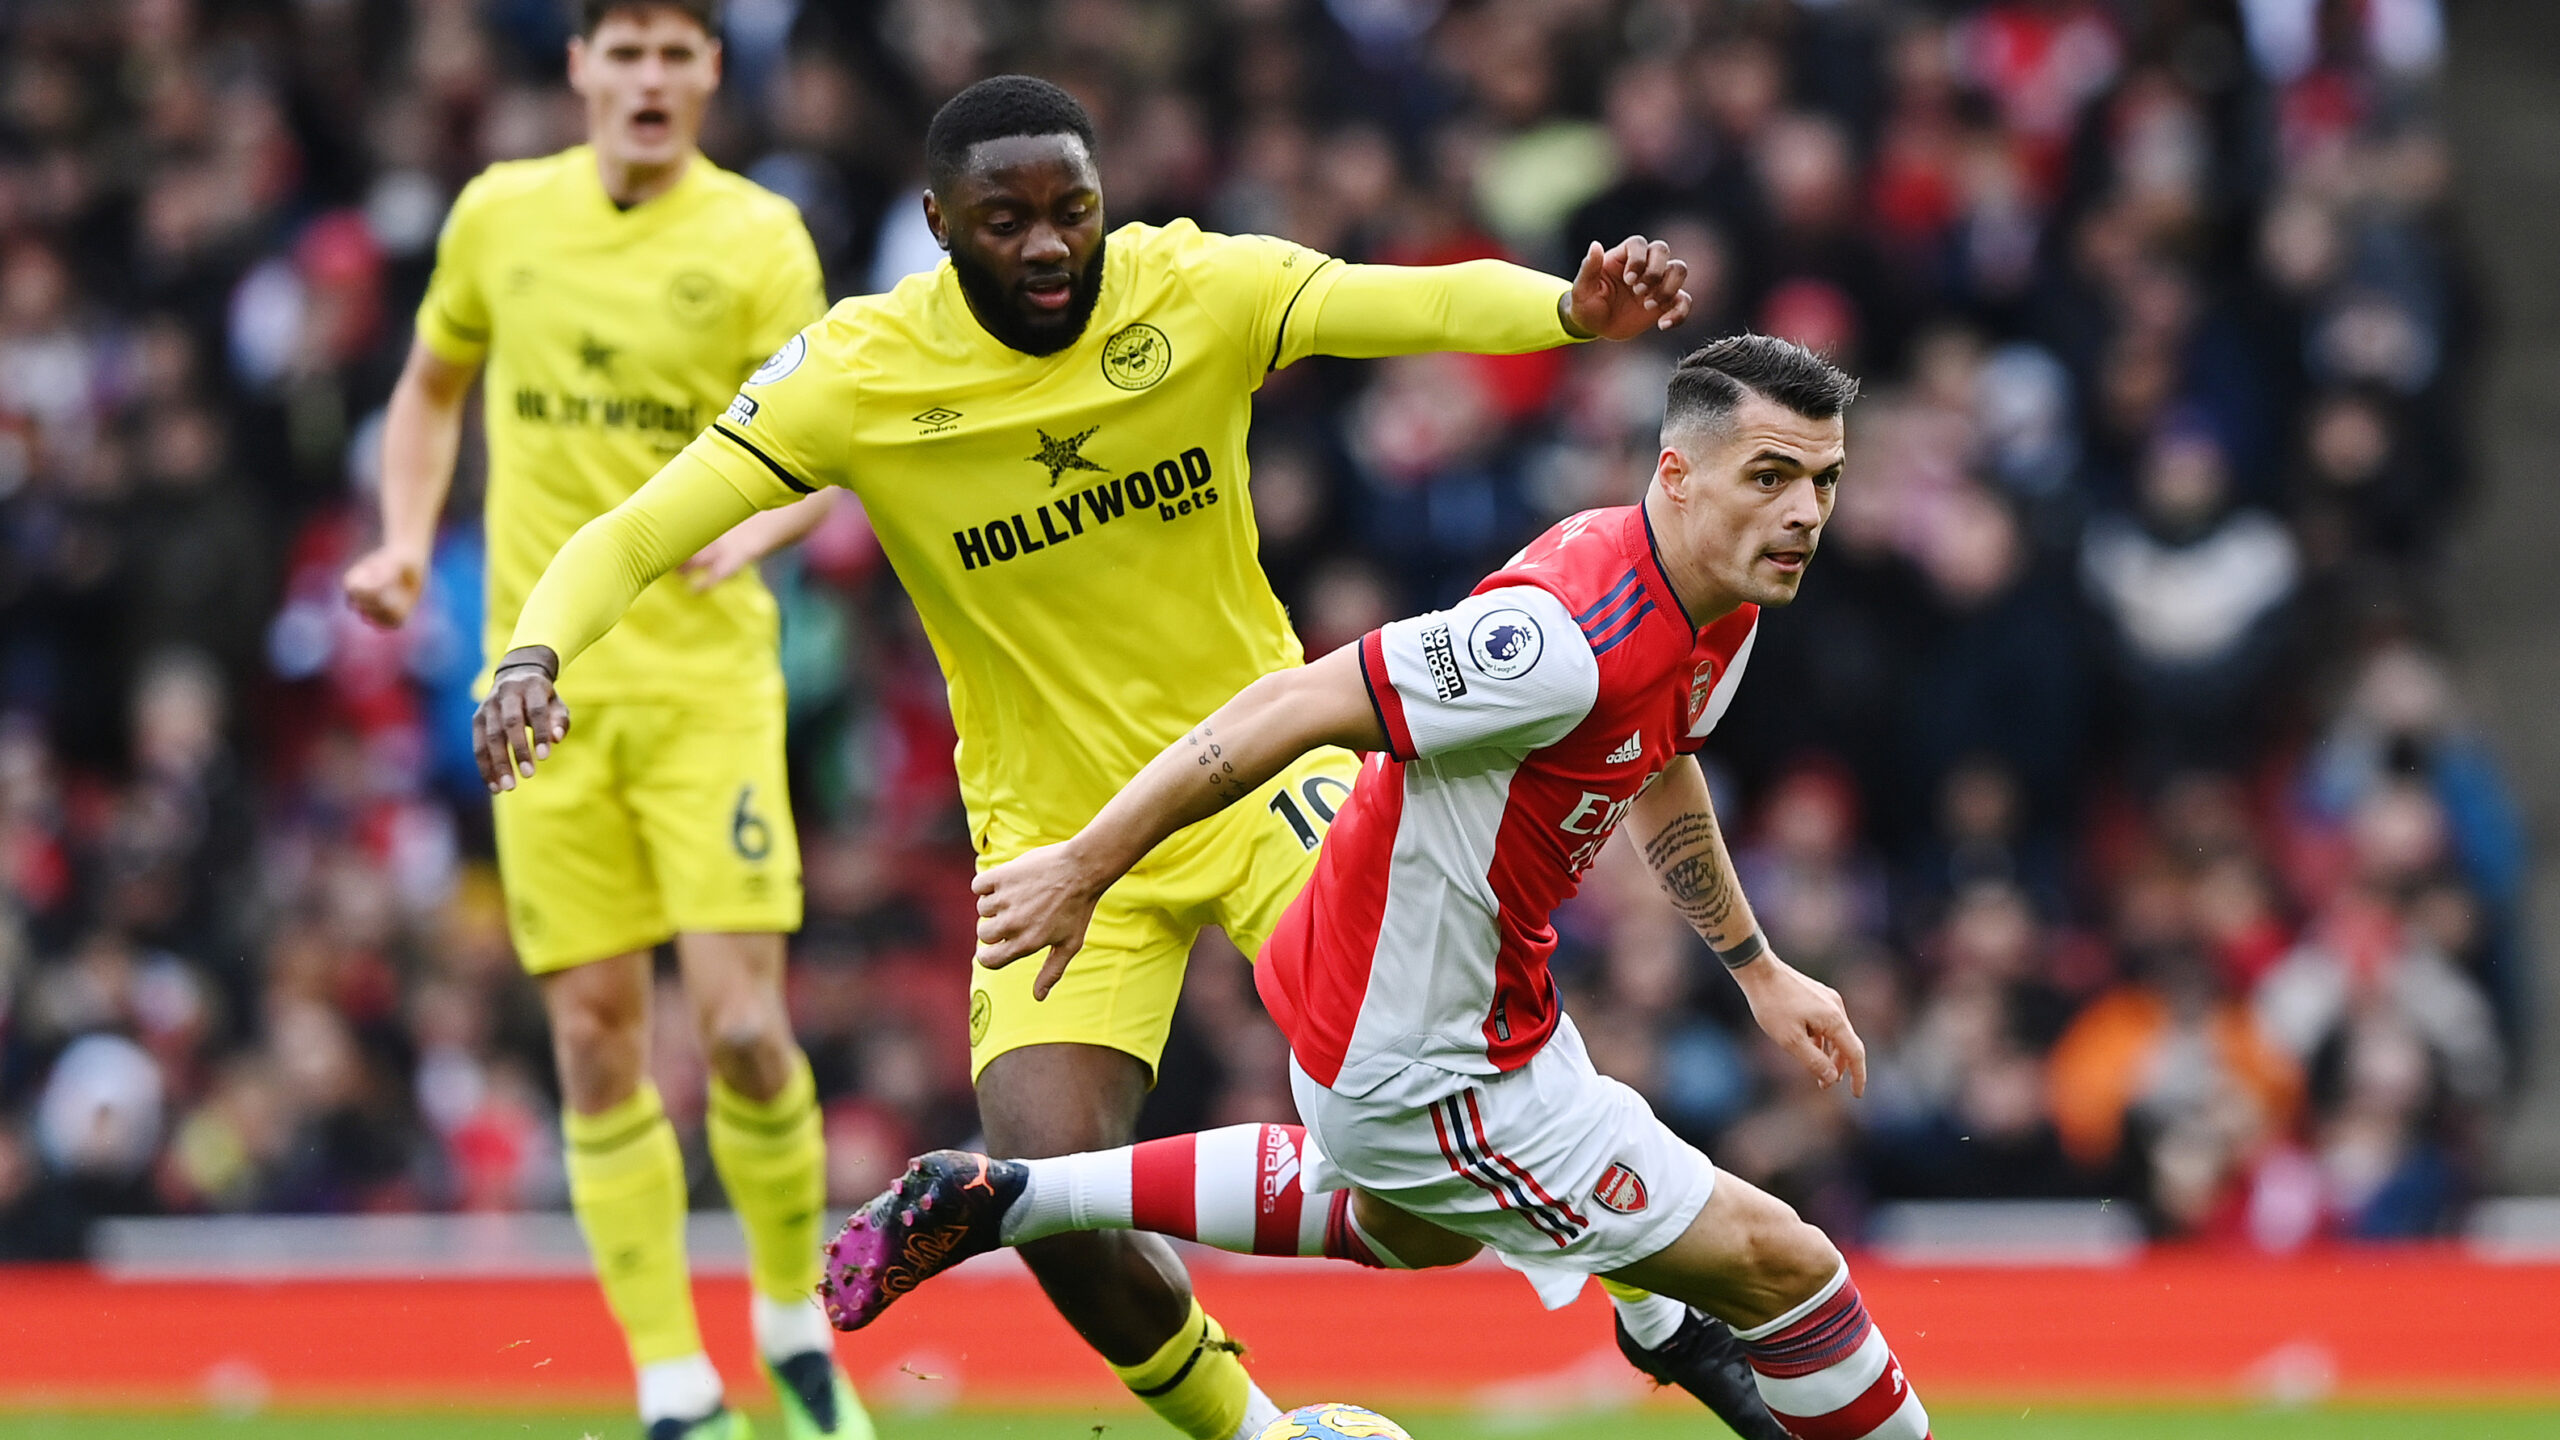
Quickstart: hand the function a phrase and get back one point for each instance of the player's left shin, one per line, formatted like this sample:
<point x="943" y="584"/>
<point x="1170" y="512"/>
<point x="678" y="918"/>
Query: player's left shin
<point x="1234" y="1189"/>
<point x="1827" y="1374"/>
<point x="772" y="1160"/>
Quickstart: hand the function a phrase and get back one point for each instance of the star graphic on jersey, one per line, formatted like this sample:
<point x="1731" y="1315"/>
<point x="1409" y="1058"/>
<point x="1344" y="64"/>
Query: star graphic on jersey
<point x="1062" y="456"/>
<point x="594" y="354"/>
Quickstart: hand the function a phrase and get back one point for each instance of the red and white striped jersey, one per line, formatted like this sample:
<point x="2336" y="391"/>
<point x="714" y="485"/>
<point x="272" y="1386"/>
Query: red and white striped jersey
<point x="1522" y="724"/>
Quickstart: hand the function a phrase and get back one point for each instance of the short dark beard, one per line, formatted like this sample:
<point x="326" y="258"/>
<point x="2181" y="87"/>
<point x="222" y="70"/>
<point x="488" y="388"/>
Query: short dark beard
<point x="1000" y="311"/>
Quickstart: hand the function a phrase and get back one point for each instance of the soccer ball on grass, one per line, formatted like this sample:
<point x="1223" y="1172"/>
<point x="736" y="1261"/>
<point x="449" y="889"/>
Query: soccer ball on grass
<point x="1332" y="1422"/>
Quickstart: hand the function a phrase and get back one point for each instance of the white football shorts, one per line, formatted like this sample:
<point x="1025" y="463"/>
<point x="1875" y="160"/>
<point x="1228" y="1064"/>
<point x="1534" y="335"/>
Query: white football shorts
<point x="1562" y="1171"/>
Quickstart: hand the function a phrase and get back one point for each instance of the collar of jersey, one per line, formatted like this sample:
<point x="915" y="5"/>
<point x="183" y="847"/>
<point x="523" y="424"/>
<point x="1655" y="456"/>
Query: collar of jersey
<point x="648" y="212"/>
<point x="1657" y="576"/>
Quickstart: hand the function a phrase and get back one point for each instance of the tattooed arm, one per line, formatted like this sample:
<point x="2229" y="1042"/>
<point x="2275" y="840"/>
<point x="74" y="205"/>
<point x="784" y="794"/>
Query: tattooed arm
<point x="1687" y="852"/>
<point x="1044" y="898"/>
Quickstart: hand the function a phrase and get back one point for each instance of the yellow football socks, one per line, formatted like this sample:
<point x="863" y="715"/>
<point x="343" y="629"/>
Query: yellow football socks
<point x="1195" y="1381"/>
<point x="772" y="1158"/>
<point x="626" y="1181"/>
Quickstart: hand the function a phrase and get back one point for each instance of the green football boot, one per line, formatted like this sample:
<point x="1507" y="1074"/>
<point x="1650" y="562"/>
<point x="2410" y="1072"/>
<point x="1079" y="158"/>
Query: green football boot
<point x="818" y="1402"/>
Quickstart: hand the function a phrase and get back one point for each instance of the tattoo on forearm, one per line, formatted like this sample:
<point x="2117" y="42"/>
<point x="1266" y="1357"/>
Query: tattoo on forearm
<point x="1691" y="829"/>
<point x="1688" y="858"/>
<point x="1212" y="757"/>
<point x="1702" y="892"/>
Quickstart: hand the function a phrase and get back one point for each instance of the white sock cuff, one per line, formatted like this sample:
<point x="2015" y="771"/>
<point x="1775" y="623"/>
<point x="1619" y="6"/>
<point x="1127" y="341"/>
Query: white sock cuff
<point x="785" y="1328"/>
<point x="1089" y="1190"/>
<point x="1829" y="1289"/>
<point x="1651" y="1320"/>
<point x="686" y="1388"/>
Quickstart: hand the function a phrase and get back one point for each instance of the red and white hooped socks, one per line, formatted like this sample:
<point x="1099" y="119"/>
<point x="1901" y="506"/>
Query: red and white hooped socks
<point x="1233" y="1189"/>
<point x="1827" y="1374"/>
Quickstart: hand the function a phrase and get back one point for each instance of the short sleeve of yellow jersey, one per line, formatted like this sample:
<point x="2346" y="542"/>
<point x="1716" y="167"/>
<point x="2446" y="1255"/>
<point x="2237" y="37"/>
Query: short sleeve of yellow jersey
<point x="1264" y="290"/>
<point x="794" y="293"/>
<point x="453" y="321"/>
<point x="790" y="323"/>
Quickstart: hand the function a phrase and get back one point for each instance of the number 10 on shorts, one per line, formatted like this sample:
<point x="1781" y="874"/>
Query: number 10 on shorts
<point x="1320" y="793"/>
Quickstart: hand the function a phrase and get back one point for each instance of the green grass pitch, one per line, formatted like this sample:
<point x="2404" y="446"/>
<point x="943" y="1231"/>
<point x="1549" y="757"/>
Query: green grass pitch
<point x="2045" y="1423"/>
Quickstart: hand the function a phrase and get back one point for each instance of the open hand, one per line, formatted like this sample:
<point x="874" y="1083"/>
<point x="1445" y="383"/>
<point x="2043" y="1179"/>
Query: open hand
<point x="1807" y="1019"/>
<point x="521" y="720"/>
<point x="384" y="586"/>
<point x="1040" y="899"/>
<point x="1627" y="289"/>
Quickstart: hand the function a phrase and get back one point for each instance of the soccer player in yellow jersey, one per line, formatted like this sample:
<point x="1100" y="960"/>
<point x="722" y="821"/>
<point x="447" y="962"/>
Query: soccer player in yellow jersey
<point x="1048" y="434"/>
<point x="611" y="297"/>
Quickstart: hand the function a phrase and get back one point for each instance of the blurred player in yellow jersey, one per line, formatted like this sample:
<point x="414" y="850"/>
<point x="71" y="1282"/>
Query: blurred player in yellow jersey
<point x="611" y="297"/>
<point x="1048" y="434"/>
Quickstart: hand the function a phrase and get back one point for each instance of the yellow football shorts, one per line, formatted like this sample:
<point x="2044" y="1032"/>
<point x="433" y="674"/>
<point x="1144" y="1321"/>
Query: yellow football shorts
<point x="1237" y="869"/>
<point x="649" y="821"/>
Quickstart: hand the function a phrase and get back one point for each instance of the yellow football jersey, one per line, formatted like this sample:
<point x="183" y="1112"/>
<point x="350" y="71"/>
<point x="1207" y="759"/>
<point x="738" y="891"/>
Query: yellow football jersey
<point x="1073" y="528"/>
<point x="611" y="337"/>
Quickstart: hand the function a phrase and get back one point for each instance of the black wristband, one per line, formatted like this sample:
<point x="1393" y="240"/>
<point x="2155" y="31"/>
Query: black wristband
<point x="1742" y="952"/>
<point x="547" y="672"/>
<point x="1565" y="321"/>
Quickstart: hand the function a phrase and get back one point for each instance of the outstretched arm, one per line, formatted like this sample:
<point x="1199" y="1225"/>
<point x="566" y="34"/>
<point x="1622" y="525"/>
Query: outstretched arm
<point x="580" y="596"/>
<point x="1044" y="898"/>
<point x="1687" y="852"/>
<point x="1492" y="307"/>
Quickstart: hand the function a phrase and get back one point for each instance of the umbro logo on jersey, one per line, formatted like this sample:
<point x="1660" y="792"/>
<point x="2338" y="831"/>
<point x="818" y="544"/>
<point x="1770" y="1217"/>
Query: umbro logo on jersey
<point x="939" y="419"/>
<point x="1628" y="753"/>
<point x="594" y="354"/>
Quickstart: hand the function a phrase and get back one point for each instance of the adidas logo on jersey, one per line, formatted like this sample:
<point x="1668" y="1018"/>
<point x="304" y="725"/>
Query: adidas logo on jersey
<point x="1628" y="753"/>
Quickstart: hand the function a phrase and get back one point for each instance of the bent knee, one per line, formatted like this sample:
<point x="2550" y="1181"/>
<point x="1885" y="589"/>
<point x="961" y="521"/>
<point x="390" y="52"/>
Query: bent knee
<point x="604" y="1034"/>
<point x="742" y="1042"/>
<point x="600" y="1057"/>
<point x="1790" y="1258"/>
<point x="748" y="1048"/>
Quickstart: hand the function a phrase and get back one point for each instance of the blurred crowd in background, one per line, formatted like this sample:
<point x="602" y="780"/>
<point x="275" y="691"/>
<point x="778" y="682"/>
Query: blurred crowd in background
<point x="2111" y="764"/>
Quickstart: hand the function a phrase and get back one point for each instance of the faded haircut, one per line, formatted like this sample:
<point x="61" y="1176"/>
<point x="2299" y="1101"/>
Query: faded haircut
<point x="1708" y="384"/>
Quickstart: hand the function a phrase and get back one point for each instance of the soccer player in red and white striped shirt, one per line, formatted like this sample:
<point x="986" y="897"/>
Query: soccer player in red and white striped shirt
<point x="1448" y="1102"/>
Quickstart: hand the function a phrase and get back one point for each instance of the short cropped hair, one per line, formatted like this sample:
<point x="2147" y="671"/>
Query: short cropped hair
<point x="994" y="109"/>
<point x="592" y="13"/>
<point x="1709" y="383"/>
